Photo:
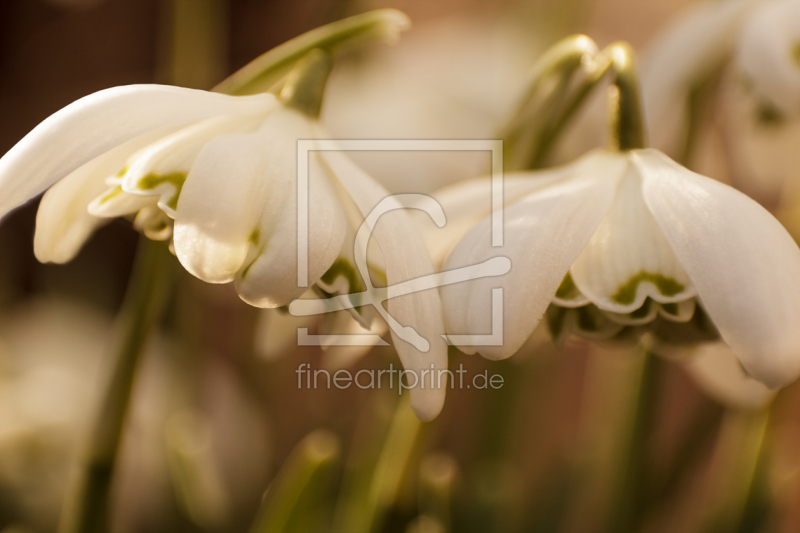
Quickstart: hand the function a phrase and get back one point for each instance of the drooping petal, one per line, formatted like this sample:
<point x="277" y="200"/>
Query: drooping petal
<point x="268" y="277"/>
<point x="768" y="53"/>
<point x="405" y="258"/>
<point x="628" y="258"/>
<point x="64" y="222"/>
<point x="744" y="264"/>
<point x="97" y="123"/>
<point x="544" y="233"/>
<point x="225" y="195"/>
<point x="161" y="168"/>
<point x="717" y="372"/>
<point x="467" y="203"/>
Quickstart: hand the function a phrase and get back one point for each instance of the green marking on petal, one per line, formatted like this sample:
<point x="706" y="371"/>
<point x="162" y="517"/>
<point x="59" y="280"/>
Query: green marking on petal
<point x="152" y="180"/>
<point x="567" y="290"/>
<point x="122" y="171"/>
<point x="626" y="293"/>
<point x="255" y="236"/>
<point x="111" y="194"/>
<point x="796" y="54"/>
<point x="342" y="267"/>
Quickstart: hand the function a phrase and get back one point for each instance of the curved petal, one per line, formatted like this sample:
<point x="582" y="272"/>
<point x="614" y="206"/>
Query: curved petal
<point x="767" y="53"/>
<point x="405" y="258"/>
<point x="269" y="275"/>
<point x="161" y="168"/>
<point x="64" y="221"/>
<point x="97" y="123"/>
<point x="544" y="234"/>
<point x="234" y="178"/>
<point x="628" y="259"/>
<point x="717" y="372"/>
<point x="744" y="264"/>
<point x="467" y="203"/>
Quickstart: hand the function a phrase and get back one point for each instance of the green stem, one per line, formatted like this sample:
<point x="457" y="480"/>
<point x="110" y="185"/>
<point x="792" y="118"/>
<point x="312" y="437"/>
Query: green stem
<point x="268" y="69"/>
<point x="630" y="494"/>
<point x="86" y="509"/>
<point x="305" y="87"/>
<point x="372" y="488"/>
<point x="523" y="142"/>
<point x="626" y="106"/>
<point x="578" y="69"/>
<point x="292" y="500"/>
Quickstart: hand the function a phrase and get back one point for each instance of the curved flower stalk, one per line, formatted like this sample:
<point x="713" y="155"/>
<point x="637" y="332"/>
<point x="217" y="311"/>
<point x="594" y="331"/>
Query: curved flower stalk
<point x="740" y="57"/>
<point x="216" y="176"/>
<point x="623" y="243"/>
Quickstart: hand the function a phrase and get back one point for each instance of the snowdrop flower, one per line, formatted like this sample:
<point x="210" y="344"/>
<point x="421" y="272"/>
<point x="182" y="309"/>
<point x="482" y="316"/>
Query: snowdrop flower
<point x="216" y="176"/>
<point x="737" y="61"/>
<point x="621" y="243"/>
<point x="768" y="53"/>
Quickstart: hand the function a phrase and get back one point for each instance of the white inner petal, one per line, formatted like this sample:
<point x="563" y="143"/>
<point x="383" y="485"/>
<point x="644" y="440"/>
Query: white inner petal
<point x="628" y="258"/>
<point x="161" y="168"/>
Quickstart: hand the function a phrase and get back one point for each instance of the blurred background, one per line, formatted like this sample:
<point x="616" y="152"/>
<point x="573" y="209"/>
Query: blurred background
<point x="568" y="444"/>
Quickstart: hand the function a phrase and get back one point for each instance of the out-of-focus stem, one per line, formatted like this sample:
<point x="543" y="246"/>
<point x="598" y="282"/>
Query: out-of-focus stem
<point x="363" y="510"/>
<point x="290" y="497"/>
<point x="86" y="508"/>
<point x="739" y="452"/>
<point x="268" y="69"/>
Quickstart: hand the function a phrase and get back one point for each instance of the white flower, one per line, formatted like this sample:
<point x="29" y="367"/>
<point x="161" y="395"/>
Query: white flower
<point x="221" y="170"/>
<point x="768" y="53"/>
<point x="728" y="73"/>
<point x="623" y="242"/>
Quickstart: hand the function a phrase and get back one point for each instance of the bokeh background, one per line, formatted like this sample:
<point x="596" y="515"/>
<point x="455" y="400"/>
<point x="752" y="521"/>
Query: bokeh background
<point x="218" y="417"/>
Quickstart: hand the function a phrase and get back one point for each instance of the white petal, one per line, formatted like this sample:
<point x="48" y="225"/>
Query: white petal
<point x="628" y="258"/>
<point x="269" y="274"/>
<point x="234" y="179"/>
<point x="115" y="202"/>
<point x="767" y="53"/>
<point x="63" y="222"/>
<point x="97" y="123"/>
<point x="161" y="168"/>
<point x="744" y="264"/>
<point x="544" y="234"/>
<point x="467" y="203"/>
<point x="717" y="372"/>
<point x="406" y="258"/>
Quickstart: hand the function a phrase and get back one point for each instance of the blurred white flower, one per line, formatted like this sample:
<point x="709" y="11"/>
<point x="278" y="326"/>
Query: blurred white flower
<point x="452" y="78"/>
<point x="731" y="64"/>
<point x="620" y="243"/>
<point x="768" y="53"/>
